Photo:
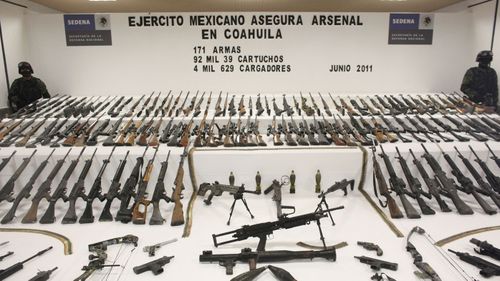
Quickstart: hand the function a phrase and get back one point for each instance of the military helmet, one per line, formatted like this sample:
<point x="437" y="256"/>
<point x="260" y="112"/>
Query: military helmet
<point x="24" y="65"/>
<point x="484" y="56"/>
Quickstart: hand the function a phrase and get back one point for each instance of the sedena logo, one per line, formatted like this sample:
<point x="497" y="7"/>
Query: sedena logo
<point x="78" y="22"/>
<point x="403" y="21"/>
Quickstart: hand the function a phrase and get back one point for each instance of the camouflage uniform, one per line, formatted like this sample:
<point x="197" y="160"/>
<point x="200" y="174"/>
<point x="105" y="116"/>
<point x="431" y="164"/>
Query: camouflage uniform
<point x="25" y="91"/>
<point x="480" y="84"/>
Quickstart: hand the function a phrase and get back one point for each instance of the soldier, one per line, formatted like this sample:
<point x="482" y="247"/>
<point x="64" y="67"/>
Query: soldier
<point x="480" y="83"/>
<point x="26" y="89"/>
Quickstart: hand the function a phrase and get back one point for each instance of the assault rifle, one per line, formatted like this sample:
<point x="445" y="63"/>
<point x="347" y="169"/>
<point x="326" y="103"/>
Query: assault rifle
<point x="176" y="101"/>
<point x="241" y="106"/>
<point x="159" y="194"/>
<point x="467" y="186"/>
<point x="178" y="213"/>
<point x="25" y="191"/>
<point x="62" y="135"/>
<point x="481" y="127"/>
<point x="432" y="184"/>
<point x="396" y="104"/>
<point x="140" y="200"/>
<point x="287" y="107"/>
<point x="348" y="107"/>
<point x="146" y="102"/>
<point x="277" y="110"/>
<point x="133" y="131"/>
<point x="45" y="134"/>
<point x="190" y="108"/>
<point x="325" y="105"/>
<point x="43" y="192"/>
<point x="162" y="109"/>
<point x="167" y="132"/>
<point x="29" y="134"/>
<point x="78" y="191"/>
<point x="493" y="180"/>
<point x="258" y="136"/>
<point x="315" y="106"/>
<point x="493" y="156"/>
<point x="8" y="189"/>
<point x="341" y="131"/>
<point x="268" y="110"/>
<point x="288" y="136"/>
<point x="111" y="110"/>
<point x="448" y="129"/>
<point x="406" y="128"/>
<point x="485" y="188"/>
<point x="124" y="213"/>
<point x="143" y="133"/>
<point x="92" y="139"/>
<point x="176" y="133"/>
<point x="415" y="186"/>
<point x="370" y="108"/>
<point x="339" y="108"/>
<point x="447" y="184"/>
<point x="310" y="134"/>
<point x="218" y="108"/>
<point x="60" y="192"/>
<point x="272" y="129"/>
<point x="111" y="133"/>
<point x="184" y="140"/>
<point x="297" y="106"/>
<point x="421" y="129"/>
<point x="118" y="135"/>
<point x="113" y="190"/>
<point x="258" y="106"/>
<point x="464" y="128"/>
<point x="231" y="107"/>
<point x="85" y="134"/>
<point x="197" y="108"/>
<point x="225" y="106"/>
<point x="432" y="129"/>
<point x="94" y="193"/>
<point x="298" y="131"/>
<point x="133" y="107"/>
<point x="153" y="105"/>
<point x="263" y="230"/>
<point x="398" y="185"/>
<point x="334" y="133"/>
<point x="153" y="140"/>
<point x="78" y="129"/>
<point x="14" y="135"/>
<point x="229" y="260"/>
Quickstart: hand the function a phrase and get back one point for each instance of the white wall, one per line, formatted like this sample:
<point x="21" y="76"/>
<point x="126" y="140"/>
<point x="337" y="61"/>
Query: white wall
<point x="145" y="59"/>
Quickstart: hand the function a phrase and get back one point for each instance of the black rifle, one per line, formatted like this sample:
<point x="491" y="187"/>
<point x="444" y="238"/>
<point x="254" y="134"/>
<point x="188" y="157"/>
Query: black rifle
<point x="43" y="192"/>
<point x="78" y="191"/>
<point x="432" y="129"/>
<point x="288" y="136"/>
<point x="398" y="185"/>
<point x="449" y="189"/>
<point x="396" y="104"/>
<point x="159" y="194"/>
<point x="113" y="191"/>
<point x="111" y="133"/>
<point x="273" y="130"/>
<point x="287" y="107"/>
<point x="494" y="125"/>
<point x="60" y="192"/>
<point x="432" y="184"/>
<point x="306" y="108"/>
<point x="228" y="261"/>
<point x="310" y="134"/>
<point x="262" y="230"/>
<point x="486" y="249"/>
<point x="298" y="131"/>
<point x="420" y="129"/>
<point x="197" y="108"/>
<point x="25" y="192"/>
<point x="268" y="110"/>
<point x="92" y="140"/>
<point x="467" y="186"/>
<point x="124" y="214"/>
<point x="165" y="136"/>
<point x="390" y="128"/>
<point x="152" y="107"/>
<point x="8" y="189"/>
<point x="277" y="110"/>
<point x="325" y="105"/>
<point x="297" y="106"/>
<point x="218" y="108"/>
<point x="448" y="129"/>
<point x="94" y="193"/>
<point x="488" y="269"/>
<point x="415" y="187"/>
<point x="464" y="128"/>
<point x="5" y="273"/>
<point x="485" y="188"/>
<point x="140" y="206"/>
<point x="43" y="275"/>
<point x="276" y="188"/>
<point x="492" y="179"/>
<point x="43" y="135"/>
<point x="45" y="139"/>
<point x="144" y="106"/>
<point x="163" y="110"/>
<point x="362" y="110"/>
<point x="225" y="106"/>
<point x="480" y="127"/>
<point x="133" y="107"/>
<point x="231" y="107"/>
<point x="190" y="108"/>
<point x="321" y="131"/>
<point x="258" y="106"/>
<point x="120" y="108"/>
<point x="493" y="156"/>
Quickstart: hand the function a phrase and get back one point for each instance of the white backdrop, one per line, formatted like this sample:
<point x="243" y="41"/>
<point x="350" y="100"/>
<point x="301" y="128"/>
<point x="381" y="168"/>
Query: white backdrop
<point x="153" y="58"/>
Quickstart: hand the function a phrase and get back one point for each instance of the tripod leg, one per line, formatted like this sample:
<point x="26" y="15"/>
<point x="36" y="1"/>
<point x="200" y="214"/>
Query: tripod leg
<point x="231" y="213"/>
<point x="246" y="206"/>
<point x="321" y="234"/>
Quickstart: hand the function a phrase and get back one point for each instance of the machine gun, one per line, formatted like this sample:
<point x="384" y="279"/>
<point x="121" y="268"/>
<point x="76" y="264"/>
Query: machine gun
<point x="415" y="186"/>
<point x="262" y="230"/>
<point x="43" y="192"/>
<point x="492" y="179"/>
<point x="432" y="184"/>
<point x="229" y="260"/>
<point x="398" y="185"/>
<point x="94" y="193"/>
<point x="488" y="269"/>
<point x="217" y="189"/>
<point x="60" y="192"/>
<point x="485" y="188"/>
<point x="467" y="186"/>
<point x="78" y="191"/>
<point x="447" y="184"/>
<point x="140" y="200"/>
<point x="160" y="194"/>
<point x="113" y="191"/>
<point x="7" y="190"/>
